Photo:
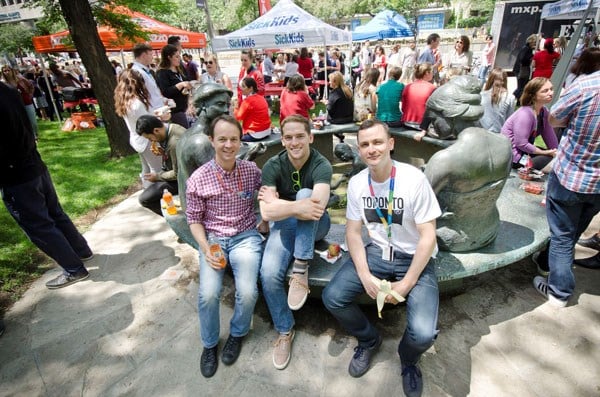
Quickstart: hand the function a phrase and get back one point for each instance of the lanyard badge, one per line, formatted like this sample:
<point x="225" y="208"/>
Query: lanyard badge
<point x="387" y="252"/>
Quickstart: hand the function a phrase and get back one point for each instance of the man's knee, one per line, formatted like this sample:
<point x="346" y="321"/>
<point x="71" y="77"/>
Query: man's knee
<point x="303" y="193"/>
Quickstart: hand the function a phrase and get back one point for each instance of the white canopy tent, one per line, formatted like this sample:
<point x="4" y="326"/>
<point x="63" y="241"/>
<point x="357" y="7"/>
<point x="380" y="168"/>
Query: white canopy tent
<point x="569" y="9"/>
<point x="285" y="25"/>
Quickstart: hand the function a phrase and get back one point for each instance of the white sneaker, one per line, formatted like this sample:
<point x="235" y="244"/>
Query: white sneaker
<point x="541" y="286"/>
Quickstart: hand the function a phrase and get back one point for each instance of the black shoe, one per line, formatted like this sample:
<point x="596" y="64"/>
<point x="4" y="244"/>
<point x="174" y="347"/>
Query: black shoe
<point x="361" y="361"/>
<point x="592" y="242"/>
<point x="590" y="263"/>
<point x="412" y="381"/>
<point x="232" y="349"/>
<point x="64" y="280"/>
<point x="209" y="362"/>
<point x="541" y="260"/>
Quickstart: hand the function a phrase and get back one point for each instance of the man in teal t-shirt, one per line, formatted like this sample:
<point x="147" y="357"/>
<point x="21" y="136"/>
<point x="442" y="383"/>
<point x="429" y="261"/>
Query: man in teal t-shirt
<point x="389" y="95"/>
<point x="293" y="199"/>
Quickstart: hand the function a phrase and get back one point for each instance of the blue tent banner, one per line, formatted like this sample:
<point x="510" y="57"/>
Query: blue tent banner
<point x="386" y="24"/>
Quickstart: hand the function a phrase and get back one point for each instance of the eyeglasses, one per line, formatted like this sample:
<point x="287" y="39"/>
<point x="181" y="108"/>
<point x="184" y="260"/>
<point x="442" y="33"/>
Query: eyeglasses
<point x="296" y="181"/>
<point x="209" y="62"/>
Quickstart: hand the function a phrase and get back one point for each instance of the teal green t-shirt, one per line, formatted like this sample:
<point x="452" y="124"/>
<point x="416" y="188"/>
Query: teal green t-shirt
<point x="278" y="170"/>
<point x="389" y="95"/>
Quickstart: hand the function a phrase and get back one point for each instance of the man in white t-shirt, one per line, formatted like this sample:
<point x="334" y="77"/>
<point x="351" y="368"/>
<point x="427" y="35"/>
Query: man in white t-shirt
<point x="403" y="242"/>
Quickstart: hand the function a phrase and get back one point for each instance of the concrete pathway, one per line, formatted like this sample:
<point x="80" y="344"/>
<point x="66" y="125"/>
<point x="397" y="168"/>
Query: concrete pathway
<point x="132" y="329"/>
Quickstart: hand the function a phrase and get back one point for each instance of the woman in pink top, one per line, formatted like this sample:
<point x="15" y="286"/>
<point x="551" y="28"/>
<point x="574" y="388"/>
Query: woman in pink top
<point x="295" y="98"/>
<point x="415" y="96"/>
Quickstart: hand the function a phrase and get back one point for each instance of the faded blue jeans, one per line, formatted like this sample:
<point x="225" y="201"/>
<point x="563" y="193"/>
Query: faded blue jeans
<point x="243" y="253"/>
<point x="569" y="214"/>
<point x="289" y="239"/>
<point x="422" y="303"/>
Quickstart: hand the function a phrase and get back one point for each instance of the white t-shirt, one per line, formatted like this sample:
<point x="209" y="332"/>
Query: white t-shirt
<point x="414" y="203"/>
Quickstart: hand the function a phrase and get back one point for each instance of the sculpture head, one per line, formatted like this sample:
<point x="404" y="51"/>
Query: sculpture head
<point x="467" y="84"/>
<point x="212" y="100"/>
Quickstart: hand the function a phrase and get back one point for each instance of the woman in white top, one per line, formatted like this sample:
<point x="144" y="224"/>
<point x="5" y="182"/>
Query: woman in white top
<point x="497" y="104"/>
<point x="131" y="102"/>
<point x="213" y="72"/>
<point x="460" y="59"/>
<point x="365" y="96"/>
<point x="279" y="68"/>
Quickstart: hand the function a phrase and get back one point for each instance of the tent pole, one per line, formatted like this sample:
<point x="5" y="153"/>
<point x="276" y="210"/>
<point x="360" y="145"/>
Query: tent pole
<point x="325" y="64"/>
<point x="560" y="72"/>
<point x="49" y="87"/>
<point x="123" y="60"/>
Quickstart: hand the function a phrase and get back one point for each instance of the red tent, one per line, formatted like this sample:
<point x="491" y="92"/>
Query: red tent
<point x="159" y="33"/>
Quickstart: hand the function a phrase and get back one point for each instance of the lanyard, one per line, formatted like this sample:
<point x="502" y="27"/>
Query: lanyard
<point x="386" y="223"/>
<point x="240" y="192"/>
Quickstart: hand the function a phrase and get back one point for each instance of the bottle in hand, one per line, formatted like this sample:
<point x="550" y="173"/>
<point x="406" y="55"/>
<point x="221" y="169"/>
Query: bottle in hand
<point x="217" y="251"/>
<point x="168" y="198"/>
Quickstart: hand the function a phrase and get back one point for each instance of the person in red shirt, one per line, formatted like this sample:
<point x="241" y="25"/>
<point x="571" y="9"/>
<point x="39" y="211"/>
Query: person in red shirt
<point x="305" y="66"/>
<point x="414" y="97"/>
<point x="253" y="112"/>
<point x="248" y="69"/>
<point x="544" y="60"/>
<point x="295" y="98"/>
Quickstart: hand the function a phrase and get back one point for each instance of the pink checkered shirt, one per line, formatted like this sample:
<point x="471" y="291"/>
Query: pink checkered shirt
<point x="219" y="204"/>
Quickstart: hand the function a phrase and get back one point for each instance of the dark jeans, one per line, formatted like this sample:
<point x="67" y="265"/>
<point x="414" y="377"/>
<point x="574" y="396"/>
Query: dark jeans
<point x="569" y="214"/>
<point x="422" y="303"/>
<point x="150" y="197"/>
<point x="35" y="207"/>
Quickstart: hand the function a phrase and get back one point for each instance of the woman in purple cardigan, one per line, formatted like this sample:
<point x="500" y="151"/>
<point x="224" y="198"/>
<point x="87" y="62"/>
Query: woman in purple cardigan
<point x="530" y="121"/>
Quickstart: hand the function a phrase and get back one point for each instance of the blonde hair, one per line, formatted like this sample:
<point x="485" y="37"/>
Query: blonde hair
<point x="338" y="79"/>
<point x="496" y="74"/>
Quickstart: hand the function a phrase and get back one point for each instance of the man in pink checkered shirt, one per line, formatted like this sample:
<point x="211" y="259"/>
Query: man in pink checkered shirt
<point x="220" y="207"/>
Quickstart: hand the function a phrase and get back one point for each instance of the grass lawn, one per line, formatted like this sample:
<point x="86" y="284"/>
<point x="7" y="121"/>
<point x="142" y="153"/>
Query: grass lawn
<point x="85" y="179"/>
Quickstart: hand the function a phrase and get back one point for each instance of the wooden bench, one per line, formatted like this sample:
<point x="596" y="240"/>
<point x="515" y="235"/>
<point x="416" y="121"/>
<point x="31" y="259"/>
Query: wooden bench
<point x="523" y="231"/>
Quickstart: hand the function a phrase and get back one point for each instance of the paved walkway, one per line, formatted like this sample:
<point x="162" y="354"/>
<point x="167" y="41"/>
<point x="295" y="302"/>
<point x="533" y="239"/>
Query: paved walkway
<point x="132" y="329"/>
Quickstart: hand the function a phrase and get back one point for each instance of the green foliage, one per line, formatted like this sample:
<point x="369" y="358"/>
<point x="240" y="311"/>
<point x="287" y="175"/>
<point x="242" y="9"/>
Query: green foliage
<point x="85" y="178"/>
<point x="472" y="22"/>
<point x="15" y="38"/>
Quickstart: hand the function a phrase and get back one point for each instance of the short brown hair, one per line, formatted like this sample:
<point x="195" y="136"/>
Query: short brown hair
<point x="365" y="125"/>
<point x="296" y="118"/>
<point x="141" y="48"/>
<point x="226" y="118"/>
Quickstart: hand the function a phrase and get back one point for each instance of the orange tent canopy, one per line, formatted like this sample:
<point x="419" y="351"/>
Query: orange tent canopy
<point x="158" y="34"/>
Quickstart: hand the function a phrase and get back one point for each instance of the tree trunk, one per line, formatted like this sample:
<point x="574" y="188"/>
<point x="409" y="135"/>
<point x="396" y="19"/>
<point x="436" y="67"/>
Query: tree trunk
<point x="82" y="26"/>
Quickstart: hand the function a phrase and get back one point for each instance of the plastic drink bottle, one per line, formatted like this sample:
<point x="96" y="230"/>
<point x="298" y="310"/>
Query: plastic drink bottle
<point x="216" y="251"/>
<point x="168" y="198"/>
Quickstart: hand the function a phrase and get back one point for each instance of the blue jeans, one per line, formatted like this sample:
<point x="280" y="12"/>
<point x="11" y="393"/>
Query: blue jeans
<point x="35" y="207"/>
<point x="569" y="214"/>
<point x="483" y="72"/>
<point x="289" y="238"/>
<point x="243" y="253"/>
<point x="422" y="303"/>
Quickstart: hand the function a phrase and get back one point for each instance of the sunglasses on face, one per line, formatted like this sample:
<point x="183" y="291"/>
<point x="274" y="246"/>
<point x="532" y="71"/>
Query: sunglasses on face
<point x="296" y="181"/>
<point x="209" y="62"/>
<point x="459" y="42"/>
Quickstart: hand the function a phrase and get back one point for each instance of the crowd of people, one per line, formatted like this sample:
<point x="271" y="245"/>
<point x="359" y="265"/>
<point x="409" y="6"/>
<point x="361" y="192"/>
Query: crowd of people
<point x="293" y="187"/>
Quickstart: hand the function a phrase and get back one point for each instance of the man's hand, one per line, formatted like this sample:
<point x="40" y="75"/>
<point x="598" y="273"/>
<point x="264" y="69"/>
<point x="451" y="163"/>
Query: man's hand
<point x="369" y="285"/>
<point x="402" y="288"/>
<point x="310" y="209"/>
<point x="263" y="227"/>
<point x="152" y="177"/>
<point x="267" y="194"/>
